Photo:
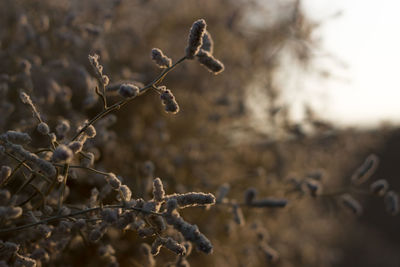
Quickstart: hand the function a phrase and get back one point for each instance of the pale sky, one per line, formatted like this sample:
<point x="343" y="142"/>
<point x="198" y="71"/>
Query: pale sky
<point x="367" y="38"/>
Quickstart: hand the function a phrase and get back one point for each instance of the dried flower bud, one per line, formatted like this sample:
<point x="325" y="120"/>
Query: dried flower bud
<point x="352" y="204"/>
<point x="128" y="90"/>
<point x="43" y="128"/>
<point x="366" y="170"/>
<point x="160" y="59"/>
<point x="158" y="190"/>
<point x="379" y="187"/>
<point x="250" y="195"/>
<point x="195" y="38"/>
<point x="392" y="202"/>
<point x="168" y="100"/>
<point x="212" y="64"/>
<point x="62" y="154"/>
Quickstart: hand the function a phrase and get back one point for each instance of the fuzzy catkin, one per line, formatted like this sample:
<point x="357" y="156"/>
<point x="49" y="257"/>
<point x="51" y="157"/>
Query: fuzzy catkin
<point x="43" y="128"/>
<point x="238" y="214"/>
<point x="366" y="170"/>
<point x="168" y="100"/>
<point x="62" y="154"/>
<point x="212" y="64"/>
<point x="223" y="190"/>
<point x="128" y="90"/>
<point x="392" y="202"/>
<point x="195" y="38"/>
<point x="193" y="199"/>
<point x="250" y="195"/>
<point x="379" y="187"/>
<point x="26" y="99"/>
<point x="158" y="190"/>
<point x="352" y="204"/>
<point x="269" y="203"/>
<point x="16" y="137"/>
<point x="190" y="232"/>
<point x="5" y="172"/>
<point x="160" y="59"/>
<point x="208" y="43"/>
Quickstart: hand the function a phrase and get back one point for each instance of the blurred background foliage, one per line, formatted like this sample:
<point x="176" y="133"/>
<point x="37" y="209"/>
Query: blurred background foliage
<point x="232" y="128"/>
